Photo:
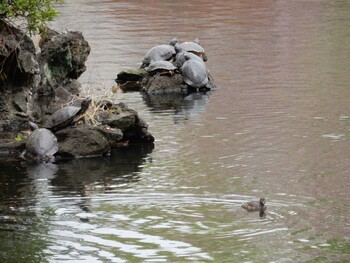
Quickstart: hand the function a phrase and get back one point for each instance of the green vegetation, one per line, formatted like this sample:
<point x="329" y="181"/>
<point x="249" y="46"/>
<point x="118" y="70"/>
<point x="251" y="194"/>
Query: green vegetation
<point x="34" y="13"/>
<point x="20" y="137"/>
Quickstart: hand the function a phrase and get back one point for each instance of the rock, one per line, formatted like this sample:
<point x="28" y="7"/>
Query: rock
<point x="82" y="141"/>
<point x="35" y="83"/>
<point x="62" y="61"/>
<point x="13" y="38"/>
<point x="113" y="135"/>
<point x="17" y="56"/>
<point x="47" y="36"/>
<point x="137" y="135"/>
<point x="20" y="102"/>
<point x="64" y="56"/>
<point x="13" y="125"/>
<point x="131" y="75"/>
<point x="11" y="148"/>
<point x="31" y="85"/>
<point x="134" y="128"/>
<point x="131" y="80"/>
<point x="120" y="118"/>
<point x="18" y="71"/>
<point x="159" y="85"/>
<point x="141" y="123"/>
<point x="166" y="85"/>
<point x="73" y="86"/>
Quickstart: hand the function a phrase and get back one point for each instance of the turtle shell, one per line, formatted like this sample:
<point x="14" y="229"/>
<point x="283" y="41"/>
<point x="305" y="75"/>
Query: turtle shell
<point x="66" y="116"/>
<point x="184" y="56"/>
<point x="191" y="47"/>
<point x="160" y="65"/>
<point x="194" y="73"/>
<point x="41" y="144"/>
<point x="160" y="52"/>
<point x="194" y="48"/>
<point x="62" y="118"/>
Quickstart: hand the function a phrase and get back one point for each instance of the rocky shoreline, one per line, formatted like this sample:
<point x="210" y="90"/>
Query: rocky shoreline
<point x="36" y="82"/>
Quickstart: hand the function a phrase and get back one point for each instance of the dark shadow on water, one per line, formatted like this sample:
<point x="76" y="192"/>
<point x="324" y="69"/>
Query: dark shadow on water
<point x="123" y="166"/>
<point x="18" y="217"/>
<point x="24" y="213"/>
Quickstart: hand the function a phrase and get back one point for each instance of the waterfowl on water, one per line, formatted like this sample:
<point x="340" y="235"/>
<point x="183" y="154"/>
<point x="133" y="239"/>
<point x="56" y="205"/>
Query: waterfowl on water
<point x="255" y="206"/>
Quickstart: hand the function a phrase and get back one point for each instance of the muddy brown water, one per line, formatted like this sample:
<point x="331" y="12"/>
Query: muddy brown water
<point x="277" y="126"/>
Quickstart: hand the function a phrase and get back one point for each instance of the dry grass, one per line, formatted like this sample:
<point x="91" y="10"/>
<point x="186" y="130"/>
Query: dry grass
<point x="96" y="89"/>
<point x="89" y="91"/>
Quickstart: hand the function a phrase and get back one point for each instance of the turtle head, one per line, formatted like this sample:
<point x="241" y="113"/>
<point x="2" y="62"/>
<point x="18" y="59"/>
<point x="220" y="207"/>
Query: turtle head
<point x="173" y="42"/>
<point x="177" y="47"/>
<point x="85" y="104"/>
<point x="32" y="125"/>
<point x="197" y="41"/>
<point x="204" y="57"/>
<point x="186" y="56"/>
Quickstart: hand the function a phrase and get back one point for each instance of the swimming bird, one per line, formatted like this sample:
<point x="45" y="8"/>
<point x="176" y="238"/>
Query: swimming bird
<point x="255" y="206"/>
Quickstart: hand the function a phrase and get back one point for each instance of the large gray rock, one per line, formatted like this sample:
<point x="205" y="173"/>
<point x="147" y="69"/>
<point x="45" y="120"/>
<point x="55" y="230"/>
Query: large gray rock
<point x="62" y="61"/>
<point x="134" y="128"/>
<point x="82" y="141"/>
<point x="131" y="80"/>
<point x="18" y="72"/>
<point x="159" y="85"/>
<point x="120" y="118"/>
<point x="64" y="56"/>
<point x="11" y="149"/>
<point x="31" y="84"/>
<point x="113" y="135"/>
<point x="138" y="135"/>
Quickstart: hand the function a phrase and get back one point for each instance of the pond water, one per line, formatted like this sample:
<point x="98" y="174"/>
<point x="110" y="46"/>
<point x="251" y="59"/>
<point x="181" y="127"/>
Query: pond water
<point x="277" y="126"/>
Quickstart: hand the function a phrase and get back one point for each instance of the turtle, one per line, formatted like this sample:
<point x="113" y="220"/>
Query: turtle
<point x="184" y="56"/>
<point x="67" y="116"/>
<point x="255" y="206"/>
<point x="159" y="52"/>
<point x="161" y="68"/>
<point x="41" y="145"/>
<point x="194" y="73"/>
<point x="193" y="47"/>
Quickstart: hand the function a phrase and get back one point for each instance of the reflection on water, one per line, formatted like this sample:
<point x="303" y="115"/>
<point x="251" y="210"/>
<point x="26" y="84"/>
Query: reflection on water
<point x="277" y="127"/>
<point x="183" y="107"/>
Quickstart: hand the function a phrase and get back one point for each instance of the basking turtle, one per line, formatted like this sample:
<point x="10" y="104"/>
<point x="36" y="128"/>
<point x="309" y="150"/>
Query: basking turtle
<point x="41" y="145"/>
<point x="67" y="116"/>
<point x="194" y="73"/>
<point x="160" y="52"/>
<point x="193" y="47"/>
<point x="184" y="56"/>
<point x="161" y="68"/>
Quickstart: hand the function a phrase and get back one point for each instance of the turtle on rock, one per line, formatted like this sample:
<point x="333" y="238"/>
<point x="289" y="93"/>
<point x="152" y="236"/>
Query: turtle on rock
<point x="67" y="116"/>
<point x="191" y="46"/>
<point x="41" y="146"/>
<point x="183" y="56"/>
<point x="159" y="52"/>
<point x="194" y="73"/>
<point x="159" y="68"/>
